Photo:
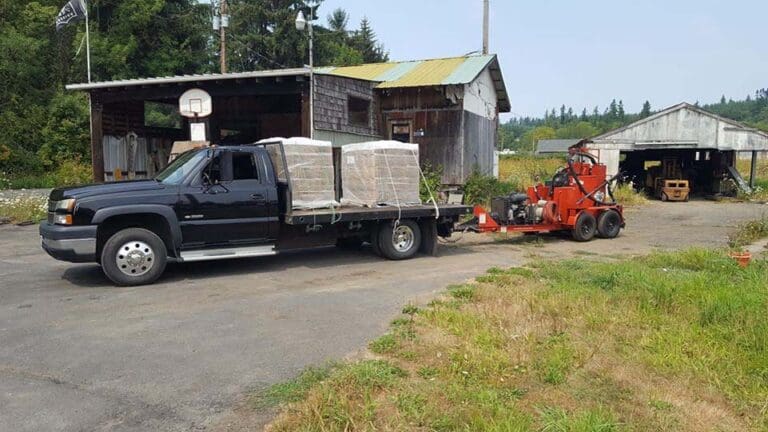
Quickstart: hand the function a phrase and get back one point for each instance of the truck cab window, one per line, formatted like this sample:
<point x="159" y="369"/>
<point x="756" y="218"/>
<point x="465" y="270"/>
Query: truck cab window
<point x="211" y="175"/>
<point x="244" y="167"/>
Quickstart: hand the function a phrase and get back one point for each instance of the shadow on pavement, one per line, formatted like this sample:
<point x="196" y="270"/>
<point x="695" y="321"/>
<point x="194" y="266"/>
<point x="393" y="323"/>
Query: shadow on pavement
<point x="91" y="276"/>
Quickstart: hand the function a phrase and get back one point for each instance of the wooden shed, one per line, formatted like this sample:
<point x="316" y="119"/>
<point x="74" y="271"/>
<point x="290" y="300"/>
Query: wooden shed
<point x="450" y="107"/>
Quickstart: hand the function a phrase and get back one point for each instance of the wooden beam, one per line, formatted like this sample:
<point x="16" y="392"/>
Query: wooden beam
<point x="305" y="132"/>
<point x="752" y="169"/>
<point x="97" y="133"/>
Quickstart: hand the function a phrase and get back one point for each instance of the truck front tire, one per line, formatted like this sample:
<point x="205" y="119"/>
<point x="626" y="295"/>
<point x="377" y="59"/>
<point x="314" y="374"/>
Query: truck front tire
<point x="399" y="241"/>
<point x="134" y="256"/>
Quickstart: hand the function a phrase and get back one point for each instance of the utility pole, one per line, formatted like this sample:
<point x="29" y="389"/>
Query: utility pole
<point x="302" y="23"/>
<point x="224" y="17"/>
<point x="486" y="24"/>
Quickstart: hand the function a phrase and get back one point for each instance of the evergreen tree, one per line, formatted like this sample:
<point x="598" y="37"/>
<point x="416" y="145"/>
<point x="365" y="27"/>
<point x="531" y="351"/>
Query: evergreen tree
<point x="646" y="111"/>
<point x="365" y="41"/>
<point x="338" y="20"/>
<point x="613" y="111"/>
<point x="621" y="114"/>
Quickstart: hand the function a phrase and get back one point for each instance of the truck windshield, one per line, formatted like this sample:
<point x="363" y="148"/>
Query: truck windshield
<point x="178" y="170"/>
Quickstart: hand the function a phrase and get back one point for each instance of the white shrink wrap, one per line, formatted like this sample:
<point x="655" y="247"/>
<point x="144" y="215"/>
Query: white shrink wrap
<point x="310" y="167"/>
<point x="380" y="173"/>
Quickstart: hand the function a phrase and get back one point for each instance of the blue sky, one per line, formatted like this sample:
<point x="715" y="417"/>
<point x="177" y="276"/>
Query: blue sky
<point x="585" y="53"/>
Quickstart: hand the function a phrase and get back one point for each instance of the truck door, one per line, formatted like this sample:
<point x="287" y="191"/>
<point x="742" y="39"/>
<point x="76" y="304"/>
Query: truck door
<point x="234" y="203"/>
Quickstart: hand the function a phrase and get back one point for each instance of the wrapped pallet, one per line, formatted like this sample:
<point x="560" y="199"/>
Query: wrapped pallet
<point x="309" y="165"/>
<point x="380" y="173"/>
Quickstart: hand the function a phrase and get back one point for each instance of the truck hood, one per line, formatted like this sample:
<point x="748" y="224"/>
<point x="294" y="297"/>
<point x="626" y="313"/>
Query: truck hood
<point x="105" y="189"/>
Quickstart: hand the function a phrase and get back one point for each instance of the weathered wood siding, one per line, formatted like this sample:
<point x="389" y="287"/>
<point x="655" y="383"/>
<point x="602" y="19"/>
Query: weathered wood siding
<point x="479" y="143"/>
<point x="442" y="142"/>
<point x="331" y="96"/>
<point x="437" y="112"/>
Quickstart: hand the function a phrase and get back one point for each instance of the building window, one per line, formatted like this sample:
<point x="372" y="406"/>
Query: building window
<point x="161" y="115"/>
<point x="359" y="111"/>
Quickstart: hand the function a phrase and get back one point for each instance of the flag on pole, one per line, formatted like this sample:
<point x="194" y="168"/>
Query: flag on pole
<point x="73" y="11"/>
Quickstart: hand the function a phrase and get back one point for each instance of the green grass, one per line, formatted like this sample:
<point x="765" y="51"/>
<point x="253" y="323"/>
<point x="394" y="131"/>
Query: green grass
<point x="669" y="341"/>
<point x="749" y="233"/>
<point x="626" y="195"/>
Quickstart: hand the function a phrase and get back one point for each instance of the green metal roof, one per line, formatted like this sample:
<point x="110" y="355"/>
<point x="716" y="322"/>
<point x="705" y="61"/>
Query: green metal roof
<point x="423" y="73"/>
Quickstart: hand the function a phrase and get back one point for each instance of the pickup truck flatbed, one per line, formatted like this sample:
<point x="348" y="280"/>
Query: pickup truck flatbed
<point x="356" y="214"/>
<point x="220" y="203"/>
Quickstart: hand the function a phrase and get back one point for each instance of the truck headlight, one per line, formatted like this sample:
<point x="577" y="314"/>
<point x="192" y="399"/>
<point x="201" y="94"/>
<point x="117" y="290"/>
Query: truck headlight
<point x="66" y="205"/>
<point x="62" y="219"/>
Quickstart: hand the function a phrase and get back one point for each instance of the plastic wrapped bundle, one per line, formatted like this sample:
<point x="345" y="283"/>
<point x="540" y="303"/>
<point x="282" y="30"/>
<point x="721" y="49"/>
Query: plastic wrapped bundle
<point x="380" y="173"/>
<point x="310" y="168"/>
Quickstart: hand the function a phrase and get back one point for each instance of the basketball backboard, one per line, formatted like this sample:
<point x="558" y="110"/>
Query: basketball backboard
<point x="195" y="103"/>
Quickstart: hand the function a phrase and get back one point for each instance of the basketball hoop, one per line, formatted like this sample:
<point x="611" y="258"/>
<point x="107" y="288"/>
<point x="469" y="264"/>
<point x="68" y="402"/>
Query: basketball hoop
<point x="195" y="103"/>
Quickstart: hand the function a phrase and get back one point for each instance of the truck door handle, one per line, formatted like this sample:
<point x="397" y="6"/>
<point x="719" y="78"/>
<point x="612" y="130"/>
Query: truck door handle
<point x="258" y="197"/>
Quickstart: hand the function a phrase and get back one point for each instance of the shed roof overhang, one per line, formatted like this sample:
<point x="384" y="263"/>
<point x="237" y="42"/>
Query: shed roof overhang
<point x="190" y="79"/>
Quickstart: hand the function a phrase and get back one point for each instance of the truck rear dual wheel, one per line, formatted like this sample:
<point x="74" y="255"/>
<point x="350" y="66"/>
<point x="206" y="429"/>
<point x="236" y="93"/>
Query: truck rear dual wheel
<point x="133" y="256"/>
<point x="399" y="241"/>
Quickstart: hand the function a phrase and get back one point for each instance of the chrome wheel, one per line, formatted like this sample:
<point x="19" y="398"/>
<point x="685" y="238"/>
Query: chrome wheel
<point x="403" y="238"/>
<point x="135" y="258"/>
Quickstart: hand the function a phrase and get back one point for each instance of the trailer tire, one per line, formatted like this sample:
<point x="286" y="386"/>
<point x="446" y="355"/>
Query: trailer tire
<point x="134" y="256"/>
<point x="608" y="224"/>
<point x="401" y="241"/>
<point x="585" y="228"/>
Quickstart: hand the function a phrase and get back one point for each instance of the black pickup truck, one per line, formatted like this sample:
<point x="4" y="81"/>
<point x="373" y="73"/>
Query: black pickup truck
<point x="220" y="203"/>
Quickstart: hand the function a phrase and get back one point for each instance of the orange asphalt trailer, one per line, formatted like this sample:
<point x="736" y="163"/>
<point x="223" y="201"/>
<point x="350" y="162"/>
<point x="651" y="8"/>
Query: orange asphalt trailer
<point x="575" y="201"/>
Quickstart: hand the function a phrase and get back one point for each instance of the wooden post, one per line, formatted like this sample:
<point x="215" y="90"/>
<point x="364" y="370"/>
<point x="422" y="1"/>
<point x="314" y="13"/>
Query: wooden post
<point x="97" y="133"/>
<point x="486" y="25"/>
<point x="752" y="169"/>
<point x="224" y="19"/>
<point x="305" y="121"/>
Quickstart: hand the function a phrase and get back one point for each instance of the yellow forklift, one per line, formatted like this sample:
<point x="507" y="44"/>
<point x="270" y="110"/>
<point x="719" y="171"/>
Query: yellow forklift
<point x="666" y="181"/>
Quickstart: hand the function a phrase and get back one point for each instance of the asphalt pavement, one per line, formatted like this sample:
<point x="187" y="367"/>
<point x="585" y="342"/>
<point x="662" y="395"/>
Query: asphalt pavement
<point x="78" y="354"/>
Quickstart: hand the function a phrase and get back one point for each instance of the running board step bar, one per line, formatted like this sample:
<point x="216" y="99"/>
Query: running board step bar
<point x="227" y="253"/>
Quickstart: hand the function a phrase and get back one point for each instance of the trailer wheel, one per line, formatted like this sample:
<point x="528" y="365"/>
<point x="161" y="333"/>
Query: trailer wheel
<point x="585" y="228"/>
<point x="608" y="224"/>
<point x="133" y="256"/>
<point x="401" y="241"/>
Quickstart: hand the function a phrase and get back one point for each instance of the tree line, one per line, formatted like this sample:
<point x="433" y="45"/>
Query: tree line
<point x="522" y="133"/>
<point x="44" y="125"/>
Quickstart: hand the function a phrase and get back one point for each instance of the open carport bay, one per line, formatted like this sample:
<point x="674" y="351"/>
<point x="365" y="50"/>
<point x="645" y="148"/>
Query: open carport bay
<point x="80" y="354"/>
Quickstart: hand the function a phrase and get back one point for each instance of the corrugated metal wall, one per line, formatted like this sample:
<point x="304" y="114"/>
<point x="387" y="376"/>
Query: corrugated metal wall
<point x="117" y="154"/>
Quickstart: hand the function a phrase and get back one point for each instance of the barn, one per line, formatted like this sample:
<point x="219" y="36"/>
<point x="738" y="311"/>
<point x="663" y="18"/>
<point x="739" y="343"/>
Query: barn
<point x="450" y="107"/>
<point x="684" y="141"/>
